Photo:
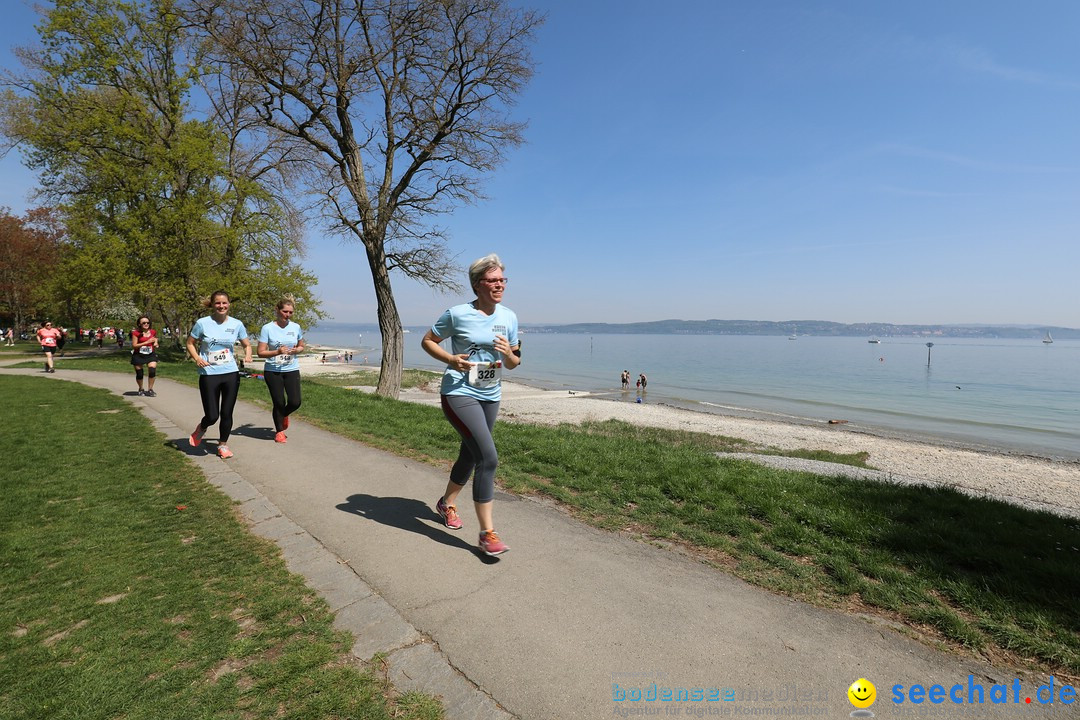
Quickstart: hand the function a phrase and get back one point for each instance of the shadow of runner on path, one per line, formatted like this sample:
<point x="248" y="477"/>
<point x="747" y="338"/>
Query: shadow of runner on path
<point x="184" y="446"/>
<point x="407" y="514"/>
<point x="259" y="432"/>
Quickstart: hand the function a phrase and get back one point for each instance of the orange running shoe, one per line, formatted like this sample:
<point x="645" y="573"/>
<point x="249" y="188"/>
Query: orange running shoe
<point x="491" y="545"/>
<point x="448" y="514"/>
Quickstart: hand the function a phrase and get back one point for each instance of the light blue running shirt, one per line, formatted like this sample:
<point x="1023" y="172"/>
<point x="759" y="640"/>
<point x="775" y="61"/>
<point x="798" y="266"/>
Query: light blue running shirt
<point x="216" y="343"/>
<point x="472" y="333"/>
<point x="276" y="336"/>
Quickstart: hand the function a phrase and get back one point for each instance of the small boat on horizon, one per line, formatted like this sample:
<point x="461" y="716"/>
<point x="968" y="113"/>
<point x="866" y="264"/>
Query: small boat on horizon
<point x="874" y="341"/>
<point x="1048" y="339"/>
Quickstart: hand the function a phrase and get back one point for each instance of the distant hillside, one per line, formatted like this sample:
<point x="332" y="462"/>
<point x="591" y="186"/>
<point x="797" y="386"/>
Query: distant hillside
<point x="808" y="327"/>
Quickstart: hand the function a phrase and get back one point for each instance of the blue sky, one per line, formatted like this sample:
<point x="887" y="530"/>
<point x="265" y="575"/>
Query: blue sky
<point x="913" y="162"/>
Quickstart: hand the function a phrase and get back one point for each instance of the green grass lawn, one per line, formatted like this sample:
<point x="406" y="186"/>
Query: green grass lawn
<point x="979" y="573"/>
<point x="131" y="590"/>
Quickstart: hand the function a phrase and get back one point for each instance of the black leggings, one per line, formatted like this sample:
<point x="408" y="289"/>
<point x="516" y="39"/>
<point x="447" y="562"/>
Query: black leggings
<point x="474" y="419"/>
<point x="219" y="391"/>
<point x="281" y="384"/>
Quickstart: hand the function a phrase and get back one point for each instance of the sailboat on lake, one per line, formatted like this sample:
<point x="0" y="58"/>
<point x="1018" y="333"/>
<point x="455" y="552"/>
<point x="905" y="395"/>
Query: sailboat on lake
<point x="1047" y="340"/>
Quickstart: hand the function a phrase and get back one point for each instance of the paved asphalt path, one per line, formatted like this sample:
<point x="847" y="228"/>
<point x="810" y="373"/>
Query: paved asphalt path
<point x="570" y="620"/>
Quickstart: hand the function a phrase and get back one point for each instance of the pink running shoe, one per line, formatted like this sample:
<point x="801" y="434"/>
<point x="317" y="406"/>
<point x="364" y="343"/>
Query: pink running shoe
<point x="224" y="452"/>
<point x="196" y="437"/>
<point x="448" y="514"/>
<point x="491" y="545"/>
<point x="279" y="437"/>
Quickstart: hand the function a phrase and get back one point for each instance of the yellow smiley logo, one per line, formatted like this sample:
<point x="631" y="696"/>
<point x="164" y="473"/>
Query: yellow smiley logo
<point x="862" y="693"/>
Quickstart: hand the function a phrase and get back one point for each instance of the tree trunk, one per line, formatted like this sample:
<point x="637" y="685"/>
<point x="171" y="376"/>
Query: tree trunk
<point x="172" y="322"/>
<point x="391" y="367"/>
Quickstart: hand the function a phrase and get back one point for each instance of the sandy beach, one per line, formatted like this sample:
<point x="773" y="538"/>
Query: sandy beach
<point x="1024" y="480"/>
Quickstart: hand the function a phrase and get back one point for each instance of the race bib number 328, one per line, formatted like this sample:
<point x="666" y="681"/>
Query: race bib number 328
<point x="485" y="374"/>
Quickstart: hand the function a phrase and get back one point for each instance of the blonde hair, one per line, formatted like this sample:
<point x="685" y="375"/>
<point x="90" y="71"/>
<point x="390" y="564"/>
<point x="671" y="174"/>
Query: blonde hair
<point x="286" y="299"/>
<point x="480" y="267"/>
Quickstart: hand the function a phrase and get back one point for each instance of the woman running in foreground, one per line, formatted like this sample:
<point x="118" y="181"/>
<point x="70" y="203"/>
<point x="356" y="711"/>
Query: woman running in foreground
<point x="483" y="340"/>
<point x="219" y="376"/>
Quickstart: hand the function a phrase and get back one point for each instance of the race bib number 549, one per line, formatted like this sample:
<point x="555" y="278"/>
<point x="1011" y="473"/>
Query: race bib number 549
<point x="220" y="357"/>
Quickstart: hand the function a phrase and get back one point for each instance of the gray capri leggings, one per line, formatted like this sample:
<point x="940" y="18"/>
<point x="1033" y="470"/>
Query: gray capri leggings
<point x="474" y="420"/>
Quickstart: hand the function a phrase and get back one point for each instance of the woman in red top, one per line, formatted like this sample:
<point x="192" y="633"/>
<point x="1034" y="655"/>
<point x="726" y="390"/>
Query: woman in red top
<point x="144" y="343"/>
<point x="48" y="336"/>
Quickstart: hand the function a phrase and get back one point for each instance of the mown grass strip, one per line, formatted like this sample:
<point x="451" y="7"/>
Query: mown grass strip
<point x="131" y="590"/>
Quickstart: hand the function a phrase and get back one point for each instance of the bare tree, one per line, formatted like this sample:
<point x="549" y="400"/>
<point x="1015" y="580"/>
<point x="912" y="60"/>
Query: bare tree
<point x="401" y="105"/>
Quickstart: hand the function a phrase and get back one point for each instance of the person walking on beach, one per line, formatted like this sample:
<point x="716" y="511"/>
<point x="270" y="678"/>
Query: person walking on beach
<point x="49" y="337"/>
<point x="144" y="344"/>
<point x="219" y="376"/>
<point x="483" y="338"/>
<point x="280" y="342"/>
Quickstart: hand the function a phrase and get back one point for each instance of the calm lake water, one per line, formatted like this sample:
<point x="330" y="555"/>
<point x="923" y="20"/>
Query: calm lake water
<point x="1017" y="395"/>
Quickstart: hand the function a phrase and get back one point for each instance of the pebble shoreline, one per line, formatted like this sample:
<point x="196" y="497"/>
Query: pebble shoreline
<point x="1032" y="482"/>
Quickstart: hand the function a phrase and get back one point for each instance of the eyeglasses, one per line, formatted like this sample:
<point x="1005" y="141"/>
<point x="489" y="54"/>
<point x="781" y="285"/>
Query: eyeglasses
<point x="144" y="323"/>
<point x="495" y="281"/>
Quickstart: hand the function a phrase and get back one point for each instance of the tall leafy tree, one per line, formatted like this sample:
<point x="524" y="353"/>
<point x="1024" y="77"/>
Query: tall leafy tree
<point x="29" y="253"/>
<point x="397" y="107"/>
<point x="154" y="207"/>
